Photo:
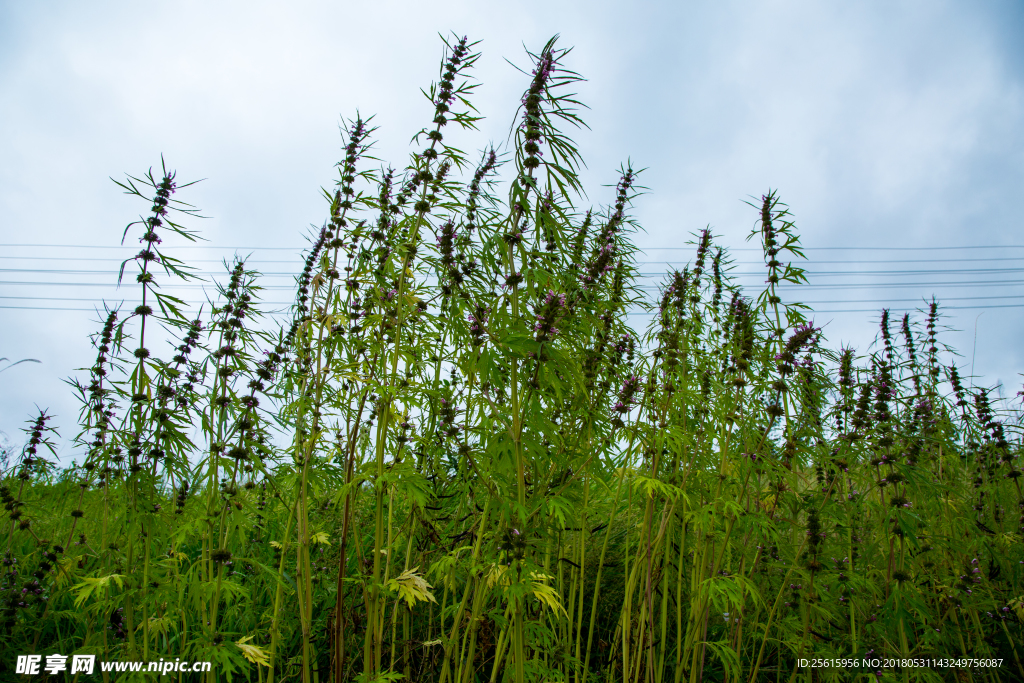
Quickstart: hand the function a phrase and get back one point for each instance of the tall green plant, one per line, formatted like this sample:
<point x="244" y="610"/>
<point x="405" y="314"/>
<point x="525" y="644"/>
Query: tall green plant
<point x="465" y="457"/>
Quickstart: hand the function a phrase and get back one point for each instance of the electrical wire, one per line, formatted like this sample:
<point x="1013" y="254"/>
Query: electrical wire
<point x="640" y="247"/>
<point x="832" y="301"/>
<point x="782" y="289"/>
<point x="811" y="313"/>
<point x="667" y="262"/>
<point x="803" y="248"/>
<point x="823" y="273"/>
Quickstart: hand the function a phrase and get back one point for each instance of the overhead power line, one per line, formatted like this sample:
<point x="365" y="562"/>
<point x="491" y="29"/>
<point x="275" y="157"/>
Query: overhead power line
<point x="803" y="248"/>
<point x="822" y="273"/>
<point x="812" y="312"/>
<point x="761" y="263"/>
<point x="828" y="302"/>
<point x="640" y="247"/>
<point x="126" y="246"/>
<point x="195" y="301"/>
<point x="875" y="310"/>
<point x="298" y="260"/>
<point x="112" y="285"/>
<point x="787" y="288"/>
<point x="784" y="289"/>
<point x="289" y="303"/>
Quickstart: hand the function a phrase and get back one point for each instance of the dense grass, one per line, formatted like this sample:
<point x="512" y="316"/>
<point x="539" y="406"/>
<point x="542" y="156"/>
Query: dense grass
<point x="466" y="458"/>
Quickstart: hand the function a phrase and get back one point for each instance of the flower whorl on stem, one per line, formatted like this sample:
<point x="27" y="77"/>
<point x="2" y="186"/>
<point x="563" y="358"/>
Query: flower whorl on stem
<point x="549" y="311"/>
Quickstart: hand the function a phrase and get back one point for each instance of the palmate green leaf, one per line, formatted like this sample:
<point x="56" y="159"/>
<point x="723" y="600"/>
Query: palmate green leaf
<point x="558" y="508"/>
<point x="443" y="568"/>
<point x="514" y="582"/>
<point x="731" y="594"/>
<point x="253" y="653"/>
<point x="231" y="591"/>
<point x="411" y="587"/>
<point x="159" y="627"/>
<point x="89" y="587"/>
<point x="727" y="656"/>
<point x="175" y="266"/>
<point x="65" y="572"/>
<point x="226" y="657"/>
<point x="408" y="483"/>
<point x="546" y="594"/>
<point x="348" y="489"/>
<point x="655" y="488"/>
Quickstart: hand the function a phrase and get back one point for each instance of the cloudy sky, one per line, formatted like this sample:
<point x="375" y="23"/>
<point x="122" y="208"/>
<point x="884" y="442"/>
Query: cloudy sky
<point x="896" y="128"/>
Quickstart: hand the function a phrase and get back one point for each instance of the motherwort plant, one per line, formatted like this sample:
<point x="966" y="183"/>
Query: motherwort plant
<point x="481" y="448"/>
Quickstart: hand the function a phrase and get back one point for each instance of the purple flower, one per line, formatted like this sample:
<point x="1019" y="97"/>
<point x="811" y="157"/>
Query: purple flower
<point x="550" y="309"/>
<point x="627" y="394"/>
